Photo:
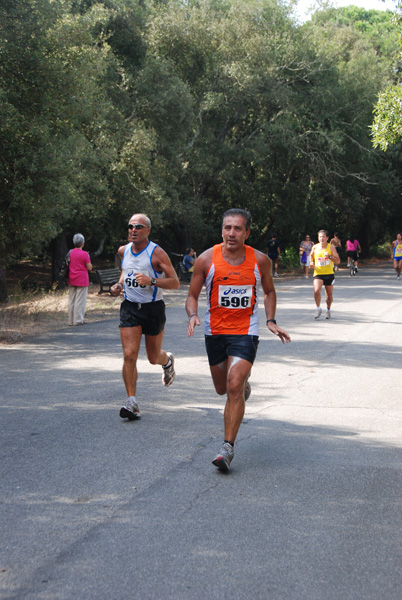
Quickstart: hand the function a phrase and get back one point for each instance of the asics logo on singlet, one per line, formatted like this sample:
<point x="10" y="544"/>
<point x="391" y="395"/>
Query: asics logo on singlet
<point x="234" y="291"/>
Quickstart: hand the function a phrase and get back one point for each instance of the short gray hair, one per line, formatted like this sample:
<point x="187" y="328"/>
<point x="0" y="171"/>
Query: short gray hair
<point x="238" y="212"/>
<point x="78" y="240"/>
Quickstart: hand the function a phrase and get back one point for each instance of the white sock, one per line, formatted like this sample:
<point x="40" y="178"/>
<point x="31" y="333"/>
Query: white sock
<point x="131" y="399"/>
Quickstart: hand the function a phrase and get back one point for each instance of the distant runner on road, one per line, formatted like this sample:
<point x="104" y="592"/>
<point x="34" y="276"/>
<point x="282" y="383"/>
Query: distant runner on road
<point x="396" y="254"/>
<point x="352" y="250"/>
<point x="323" y="256"/>
<point x="146" y="271"/>
<point x="232" y="273"/>
<point x="274" y="252"/>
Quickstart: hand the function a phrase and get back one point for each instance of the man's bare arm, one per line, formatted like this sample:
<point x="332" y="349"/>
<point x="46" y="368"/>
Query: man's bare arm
<point x="268" y="287"/>
<point x="197" y="281"/>
<point x="118" y="287"/>
<point x="334" y="255"/>
<point x="161" y="263"/>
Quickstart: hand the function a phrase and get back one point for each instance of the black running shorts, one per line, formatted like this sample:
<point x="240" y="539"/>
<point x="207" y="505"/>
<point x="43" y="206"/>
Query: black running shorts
<point x="219" y="347"/>
<point x="327" y="279"/>
<point x="150" y="316"/>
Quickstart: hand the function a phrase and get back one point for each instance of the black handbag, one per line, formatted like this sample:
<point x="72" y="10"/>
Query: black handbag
<point x="65" y="267"/>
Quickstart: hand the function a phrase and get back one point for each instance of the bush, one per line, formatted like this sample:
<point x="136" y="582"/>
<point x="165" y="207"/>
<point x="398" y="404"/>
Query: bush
<point x="380" y="250"/>
<point x="290" y="258"/>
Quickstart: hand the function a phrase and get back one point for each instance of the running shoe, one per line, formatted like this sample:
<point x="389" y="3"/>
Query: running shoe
<point x="328" y="314"/>
<point x="224" y="458"/>
<point x="168" y="372"/>
<point x="276" y="274"/>
<point x="131" y="411"/>
<point x="318" y="313"/>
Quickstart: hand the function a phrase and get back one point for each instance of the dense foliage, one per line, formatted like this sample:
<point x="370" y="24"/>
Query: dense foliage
<point x="183" y="109"/>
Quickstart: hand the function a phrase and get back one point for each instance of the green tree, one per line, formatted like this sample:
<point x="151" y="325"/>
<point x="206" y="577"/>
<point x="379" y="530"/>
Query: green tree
<point x="54" y="123"/>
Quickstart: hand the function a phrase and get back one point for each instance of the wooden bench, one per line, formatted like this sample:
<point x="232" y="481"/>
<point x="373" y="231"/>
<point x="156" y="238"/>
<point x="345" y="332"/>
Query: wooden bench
<point x="182" y="272"/>
<point x="107" y="278"/>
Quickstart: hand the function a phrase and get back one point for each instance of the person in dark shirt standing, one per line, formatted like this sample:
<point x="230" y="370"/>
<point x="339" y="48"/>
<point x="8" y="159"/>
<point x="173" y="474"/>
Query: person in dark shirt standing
<point x="274" y="252"/>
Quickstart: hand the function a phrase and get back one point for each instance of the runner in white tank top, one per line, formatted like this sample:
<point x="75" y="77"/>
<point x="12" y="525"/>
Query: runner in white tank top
<point x="146" y="271"/>
<point x="141" y="262"/>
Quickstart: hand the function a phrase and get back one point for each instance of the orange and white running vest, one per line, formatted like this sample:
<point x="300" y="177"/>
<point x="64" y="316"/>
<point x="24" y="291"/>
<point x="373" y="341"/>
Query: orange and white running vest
<point x="323" y="265"/>
<point x="232" y="295"/>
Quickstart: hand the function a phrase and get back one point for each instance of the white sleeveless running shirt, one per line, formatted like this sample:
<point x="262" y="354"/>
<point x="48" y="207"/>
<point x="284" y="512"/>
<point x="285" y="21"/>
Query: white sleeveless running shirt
<point x="140" y="263"/>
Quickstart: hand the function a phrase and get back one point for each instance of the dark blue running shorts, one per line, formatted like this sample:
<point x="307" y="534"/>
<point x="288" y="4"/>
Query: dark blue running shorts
<point x="219" y="347"/>
<point x="150" y="316"/>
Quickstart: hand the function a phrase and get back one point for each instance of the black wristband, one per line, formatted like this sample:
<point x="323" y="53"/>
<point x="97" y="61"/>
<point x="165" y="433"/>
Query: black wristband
<point x="271" y="321"/>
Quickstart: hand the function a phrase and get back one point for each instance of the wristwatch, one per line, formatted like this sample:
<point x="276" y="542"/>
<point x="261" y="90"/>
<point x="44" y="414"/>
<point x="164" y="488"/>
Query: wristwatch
<point x="153" y="281"/>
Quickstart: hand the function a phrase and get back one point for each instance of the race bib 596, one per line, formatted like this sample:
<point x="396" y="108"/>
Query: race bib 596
<point x="235" y="296"/>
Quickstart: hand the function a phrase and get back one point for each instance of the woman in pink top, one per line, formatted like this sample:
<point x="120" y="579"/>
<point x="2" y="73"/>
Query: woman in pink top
<point x="352" y="248"/>
<point x="78" y="281"/>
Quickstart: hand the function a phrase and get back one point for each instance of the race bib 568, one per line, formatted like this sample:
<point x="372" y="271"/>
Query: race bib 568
<point x="235" y="296"/>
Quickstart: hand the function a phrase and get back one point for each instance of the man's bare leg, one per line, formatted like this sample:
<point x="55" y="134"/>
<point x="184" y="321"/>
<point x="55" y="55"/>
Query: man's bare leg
<point x="329" y="295"/>
<point x="230" y="376"/>
<point x="157" y="356"/>
<point x="317" y="286"/>
<point x="131" y="340"/>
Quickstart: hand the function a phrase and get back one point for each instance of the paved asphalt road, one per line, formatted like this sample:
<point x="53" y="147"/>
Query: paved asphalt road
<point x="97" y="508"/>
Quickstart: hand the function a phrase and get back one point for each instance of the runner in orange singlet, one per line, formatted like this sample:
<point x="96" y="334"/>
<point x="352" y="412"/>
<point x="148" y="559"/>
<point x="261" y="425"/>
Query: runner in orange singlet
<point x="232" y="273"/>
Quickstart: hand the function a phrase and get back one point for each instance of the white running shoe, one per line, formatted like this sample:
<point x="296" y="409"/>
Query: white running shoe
<point x="131" y="411"/>
<point x="318" y="313"/>
<point x="328" y="314"/>
<point x="169" y="373"/>
<point x="276" y="274"/>
<point x="224" y="458"/>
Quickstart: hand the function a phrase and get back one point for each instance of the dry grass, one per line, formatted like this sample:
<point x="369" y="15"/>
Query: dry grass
<point x="28" y="314"/>
<point x="31" y="313"/>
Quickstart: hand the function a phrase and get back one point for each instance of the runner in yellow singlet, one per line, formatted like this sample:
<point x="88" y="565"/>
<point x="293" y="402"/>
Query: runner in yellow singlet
<point x="323" y="256"/>
<point x="396" y="254"/>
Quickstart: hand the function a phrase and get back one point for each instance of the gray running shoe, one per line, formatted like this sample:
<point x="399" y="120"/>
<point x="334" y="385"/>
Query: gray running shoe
<point x="168" y="372"/>
<point x="224" y="458"/>
<point x="131" y="411"/>
<point x="328" y="314"/>
<point x="318" y="313"/>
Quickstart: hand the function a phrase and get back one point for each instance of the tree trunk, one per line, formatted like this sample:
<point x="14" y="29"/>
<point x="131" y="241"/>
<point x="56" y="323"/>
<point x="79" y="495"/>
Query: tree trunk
<point x="59" y="251"/>
<point x="3" y="285"/>
<point x="100" y="248"/>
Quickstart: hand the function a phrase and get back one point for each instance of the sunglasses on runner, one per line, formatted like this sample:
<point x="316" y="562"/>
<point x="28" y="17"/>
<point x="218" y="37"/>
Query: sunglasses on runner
<point x="136" y="226"/>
